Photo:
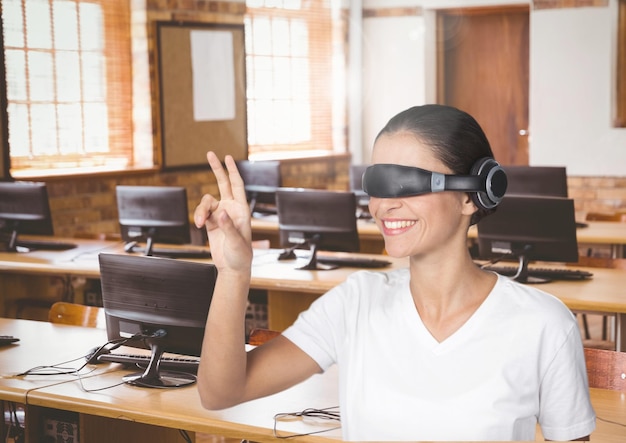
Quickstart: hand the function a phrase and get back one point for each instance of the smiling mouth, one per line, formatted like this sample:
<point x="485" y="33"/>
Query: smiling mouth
<point x="398" y="224"/>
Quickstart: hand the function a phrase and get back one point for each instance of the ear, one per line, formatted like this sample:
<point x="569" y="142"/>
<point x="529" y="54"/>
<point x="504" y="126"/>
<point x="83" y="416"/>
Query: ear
<point x="468" y="205"/>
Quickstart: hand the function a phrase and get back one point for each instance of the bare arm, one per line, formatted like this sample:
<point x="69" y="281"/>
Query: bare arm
<point x="227" y="374"/>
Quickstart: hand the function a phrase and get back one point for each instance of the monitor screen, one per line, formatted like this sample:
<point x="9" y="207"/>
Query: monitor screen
<point x="356" y="186"/>
<point x="317" y="219"/>
<point x="153" y="214"/>
<point x="24" y="209"/>
<point x="261" y="179"/>
<point x="163" y="303"/>
<point x="537" y="180"/>
<point x="529" y="228"/>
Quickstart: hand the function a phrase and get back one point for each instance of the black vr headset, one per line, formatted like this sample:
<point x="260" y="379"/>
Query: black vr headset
<point x="487" y="182"/>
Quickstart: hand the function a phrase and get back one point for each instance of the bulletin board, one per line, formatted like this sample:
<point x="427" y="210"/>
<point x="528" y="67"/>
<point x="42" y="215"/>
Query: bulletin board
<point x="202" y="92"/>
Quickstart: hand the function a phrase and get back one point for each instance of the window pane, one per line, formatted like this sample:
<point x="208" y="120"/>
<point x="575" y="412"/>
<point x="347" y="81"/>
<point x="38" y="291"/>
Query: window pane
<point x="40" y="70"/>
<point x="16" y="73"/>
<point x="282" y="78"/>
<point x="300" y="73"/>
<point x="261" y="36"/>
<point x="70" y="129"/>
<point x="94" y="79"/>
<point x="299" y="39"/>
<point x="19" y="130"/>
<point x="263" y="77"/>
<point x="280" y="37"/>
<point x="68" y="76"/>
<point x="44" y="129"/>
<point x="65" y="26"/>
<point x="96" y="124"/>
<point x="38" y="32"/>
<point x="91" y="27"/>
<point x="13" y="25"/>
<point x="292" y="4"/>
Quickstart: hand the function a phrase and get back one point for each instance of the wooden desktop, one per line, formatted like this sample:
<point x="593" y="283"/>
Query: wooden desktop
<point x="611" y="235"/>
<point x="290" y="290"/>
<point x="107" y="410"/>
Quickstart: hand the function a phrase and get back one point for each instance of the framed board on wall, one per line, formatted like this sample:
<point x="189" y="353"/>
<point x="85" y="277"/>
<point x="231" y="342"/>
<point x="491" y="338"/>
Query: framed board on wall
<point x="202" y="92"/>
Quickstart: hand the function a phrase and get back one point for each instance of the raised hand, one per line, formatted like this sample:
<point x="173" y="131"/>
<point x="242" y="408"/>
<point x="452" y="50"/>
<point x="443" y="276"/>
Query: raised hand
<point x="227" y="220"/>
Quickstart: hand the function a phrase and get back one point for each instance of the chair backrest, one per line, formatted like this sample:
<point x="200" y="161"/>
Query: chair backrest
<point x="77" y="314"/>
<point x="606" y="369"/>
<point x="601" y="262"/>
<point x="259" y="336"/>
<point x="619" y="216"/>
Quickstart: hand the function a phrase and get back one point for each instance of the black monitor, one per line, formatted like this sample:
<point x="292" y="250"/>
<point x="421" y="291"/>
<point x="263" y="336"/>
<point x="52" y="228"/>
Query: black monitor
<point x="548" y="181"/>
<point x="153" y="214"/>
<point x="261" y="179"/>
<point x="159" y="304"/>
<point x="527" y="228"/>
<point x="317" y="219"/>
<point x="356" y="186"/>
<point x="24" y="209"/>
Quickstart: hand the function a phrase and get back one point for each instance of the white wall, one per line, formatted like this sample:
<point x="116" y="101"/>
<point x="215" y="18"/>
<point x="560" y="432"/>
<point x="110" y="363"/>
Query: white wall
<point x="393" y="74"/>
<point x="572" y="71"/>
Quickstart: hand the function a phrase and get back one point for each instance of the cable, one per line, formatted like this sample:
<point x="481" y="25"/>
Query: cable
<point x="58" y="369"/>
<point x="330" y="413"/>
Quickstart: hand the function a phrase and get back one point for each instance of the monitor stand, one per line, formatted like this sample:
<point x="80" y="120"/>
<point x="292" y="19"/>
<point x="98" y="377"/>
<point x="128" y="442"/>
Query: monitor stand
<point x="522" y="275"/>
<point x="152" y="377"/>
<point x="312" y="264"/>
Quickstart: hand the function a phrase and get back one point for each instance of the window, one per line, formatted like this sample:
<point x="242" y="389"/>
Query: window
<point x="68" y="71"/>
<point x="620" y="119"/>
<point x="295" y="75"/>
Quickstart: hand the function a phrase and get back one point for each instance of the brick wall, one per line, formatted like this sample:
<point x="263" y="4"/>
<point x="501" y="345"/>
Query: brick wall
<point x="86" y="205"/>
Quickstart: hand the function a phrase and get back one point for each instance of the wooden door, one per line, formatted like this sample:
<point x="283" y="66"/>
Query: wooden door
<point x="483" y="59"/>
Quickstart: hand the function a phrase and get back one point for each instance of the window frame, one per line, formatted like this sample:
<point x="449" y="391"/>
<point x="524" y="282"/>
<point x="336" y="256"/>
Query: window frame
<point x="118" y="62"/>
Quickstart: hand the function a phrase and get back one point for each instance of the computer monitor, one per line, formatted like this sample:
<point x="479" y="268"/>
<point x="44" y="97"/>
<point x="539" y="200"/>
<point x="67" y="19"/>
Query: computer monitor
<point x="548" y="181"/>
<point x="153" y="214"/>
<point x="527" y="228"/>
<point x="261" y="179"/>
<point x="159" y="304"/>
<point x="356" y="186"/>
<point x="24" y="209"/>
<point x="317" y="219"/>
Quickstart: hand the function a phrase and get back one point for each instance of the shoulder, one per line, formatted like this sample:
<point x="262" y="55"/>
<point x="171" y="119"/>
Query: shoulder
<point x="532" y="305"/>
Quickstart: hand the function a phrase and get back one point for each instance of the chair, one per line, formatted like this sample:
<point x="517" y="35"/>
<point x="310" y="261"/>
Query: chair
<point x="618" y="216"/>
<point x="76" y="314"/>
<point x="599" y="262"/>
<point x="259" y="336"/>
<point x="606" y="369"/>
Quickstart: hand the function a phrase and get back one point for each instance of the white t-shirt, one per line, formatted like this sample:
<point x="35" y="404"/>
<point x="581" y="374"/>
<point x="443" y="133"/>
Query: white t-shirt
<point x="517" y="361"/>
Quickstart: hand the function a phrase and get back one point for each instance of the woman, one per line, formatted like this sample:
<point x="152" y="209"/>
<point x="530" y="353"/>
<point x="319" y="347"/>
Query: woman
<point x="439" y="351"/>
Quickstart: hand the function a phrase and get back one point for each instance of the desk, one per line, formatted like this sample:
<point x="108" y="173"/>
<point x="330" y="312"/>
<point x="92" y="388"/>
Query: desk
<point x="609" y="234"/>
<point x="290" y="291"/>
<point x="128" y="413"/>
<point x="110" y="414"/>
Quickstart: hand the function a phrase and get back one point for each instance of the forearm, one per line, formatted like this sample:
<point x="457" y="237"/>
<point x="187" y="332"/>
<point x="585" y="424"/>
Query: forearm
<point x="222" y="371"/>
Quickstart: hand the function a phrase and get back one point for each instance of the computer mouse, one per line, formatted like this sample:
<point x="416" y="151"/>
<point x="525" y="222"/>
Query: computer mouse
<point x="92" y="355"/>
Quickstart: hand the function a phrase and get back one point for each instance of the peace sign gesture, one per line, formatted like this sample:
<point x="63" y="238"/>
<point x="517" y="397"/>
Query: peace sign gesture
<point x="227" y="220"/>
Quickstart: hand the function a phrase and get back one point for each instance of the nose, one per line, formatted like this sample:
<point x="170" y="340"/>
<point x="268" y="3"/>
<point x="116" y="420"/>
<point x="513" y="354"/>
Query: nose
<point x="379" y="206"/>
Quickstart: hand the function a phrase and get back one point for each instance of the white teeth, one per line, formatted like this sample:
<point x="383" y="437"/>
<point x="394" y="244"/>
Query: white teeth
<point x="398" y="224"/>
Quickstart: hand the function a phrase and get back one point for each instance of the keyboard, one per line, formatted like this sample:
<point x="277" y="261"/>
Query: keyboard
<point x="186" y="364"/>
<point x="45" y="245"/>
<point x="174" y="252"/>
<point x="7" y="340"/>
<point x="548" y="273"/>
<point x="353" y="262"/>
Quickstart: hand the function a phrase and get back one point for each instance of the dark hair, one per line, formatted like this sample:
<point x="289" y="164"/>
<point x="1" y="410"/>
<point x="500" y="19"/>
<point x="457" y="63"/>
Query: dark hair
<point x="454" y="136"/>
